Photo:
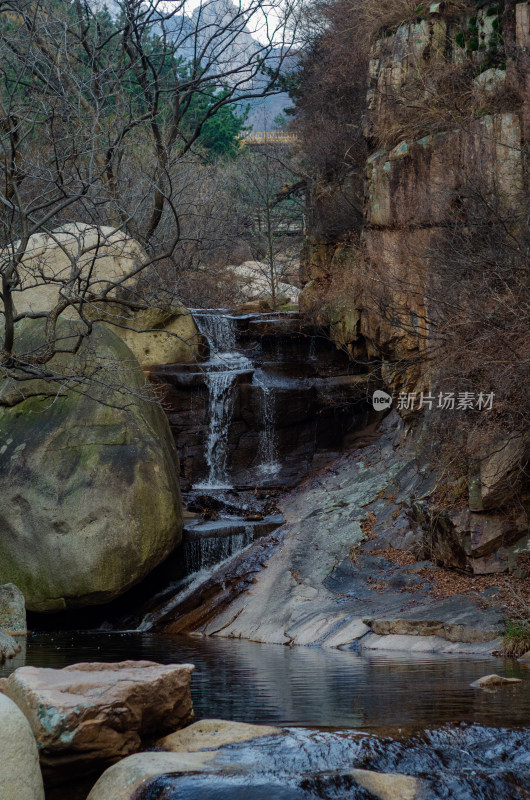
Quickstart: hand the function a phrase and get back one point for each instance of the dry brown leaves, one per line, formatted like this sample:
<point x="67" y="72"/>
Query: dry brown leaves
<point x="368" y="525"/>
<point x="513" y="594"/>
<point x="400" y="557"/>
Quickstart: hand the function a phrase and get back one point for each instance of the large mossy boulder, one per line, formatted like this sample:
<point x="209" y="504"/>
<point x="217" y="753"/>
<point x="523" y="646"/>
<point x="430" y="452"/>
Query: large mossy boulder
<point x="89" y="494"/>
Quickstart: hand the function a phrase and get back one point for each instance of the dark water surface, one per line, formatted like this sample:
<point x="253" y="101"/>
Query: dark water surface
<point x="310" y="687"/>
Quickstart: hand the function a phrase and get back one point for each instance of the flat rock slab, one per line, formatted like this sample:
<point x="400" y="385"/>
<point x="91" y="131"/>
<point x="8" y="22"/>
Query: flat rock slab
<point x="388" y="786"/>
<point x="213" y="733"/>
<point x="426" y="644"/>
<point x="397" y="600"/>
<point x="457" y="619"/>
<point x="87" y="716"/>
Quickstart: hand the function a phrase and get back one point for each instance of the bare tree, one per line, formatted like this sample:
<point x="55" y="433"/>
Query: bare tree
<point x="269" y="198"/>
<point x="101" y="122"/>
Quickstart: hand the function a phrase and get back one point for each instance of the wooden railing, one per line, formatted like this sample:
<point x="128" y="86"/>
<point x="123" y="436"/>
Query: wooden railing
<point x="267" y="137"/>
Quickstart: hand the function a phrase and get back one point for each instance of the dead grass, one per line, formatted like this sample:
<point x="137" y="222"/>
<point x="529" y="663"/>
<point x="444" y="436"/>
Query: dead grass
<point x="516" y="641"/>
<point x="513" y="593"/>
<point x="368" y="525"/>
<point x="389" y="14"/>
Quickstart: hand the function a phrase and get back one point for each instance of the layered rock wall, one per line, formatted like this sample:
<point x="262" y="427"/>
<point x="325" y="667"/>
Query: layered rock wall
<point x="447" y="130"/>
<point x="443" y="111"/>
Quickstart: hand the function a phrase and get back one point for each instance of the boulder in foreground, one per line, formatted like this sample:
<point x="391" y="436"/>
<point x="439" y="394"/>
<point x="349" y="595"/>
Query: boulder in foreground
<point x="20" y="776"/>
<point x="87" y="716"/>
<point x="126" y="780"/>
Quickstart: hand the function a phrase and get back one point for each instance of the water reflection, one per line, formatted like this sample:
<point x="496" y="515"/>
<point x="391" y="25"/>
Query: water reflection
<point x="307" y="686"/>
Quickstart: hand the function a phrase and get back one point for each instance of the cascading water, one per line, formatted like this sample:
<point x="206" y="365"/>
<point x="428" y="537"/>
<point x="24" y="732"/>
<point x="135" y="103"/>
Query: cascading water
<point x="220" y="385"/>
<point x="221" y="371"/>
<point x="202" y="556"/>
<point x="219" y="329"/>
<point x="220" y="375"/>
<point x="267" y="451"/>
<point x="207" y="552"/>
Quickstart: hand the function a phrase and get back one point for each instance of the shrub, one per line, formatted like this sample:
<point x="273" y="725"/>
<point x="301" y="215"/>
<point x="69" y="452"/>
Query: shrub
<point x="516" y="640"/>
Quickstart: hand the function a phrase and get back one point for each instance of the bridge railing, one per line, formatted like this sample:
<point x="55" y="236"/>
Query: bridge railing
<point x="267" y="137"/>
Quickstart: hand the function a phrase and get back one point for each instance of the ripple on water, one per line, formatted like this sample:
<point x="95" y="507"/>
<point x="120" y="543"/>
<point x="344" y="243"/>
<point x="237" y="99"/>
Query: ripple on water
<point x="415" y="715"/>
<point x="311" y="687"/>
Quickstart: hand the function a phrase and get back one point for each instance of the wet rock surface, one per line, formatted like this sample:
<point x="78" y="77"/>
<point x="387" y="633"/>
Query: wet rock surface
<point x="342" y="571"/>
<point x="87" y="716"/>
<point x="288" y="398"/>
<point x="298" y="764"/>
<point x="9" y="647"/>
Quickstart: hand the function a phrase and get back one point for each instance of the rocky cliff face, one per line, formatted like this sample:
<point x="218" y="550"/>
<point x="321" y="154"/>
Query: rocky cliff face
<point x="447" y="126"/>
<point x="438" y="118"/>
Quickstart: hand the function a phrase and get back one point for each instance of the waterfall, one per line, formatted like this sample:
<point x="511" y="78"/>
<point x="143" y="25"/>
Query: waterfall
<point x="267" y="453"/>
<point x="202" y="557"/>
<point x="220" y="385"/>
<point x="220" y="376"/>
<point x="207" y="552"/>
<point x="219" y="329"/>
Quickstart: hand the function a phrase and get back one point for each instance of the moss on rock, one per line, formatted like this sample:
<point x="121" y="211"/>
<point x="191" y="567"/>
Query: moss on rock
<point x="89" y="491"/>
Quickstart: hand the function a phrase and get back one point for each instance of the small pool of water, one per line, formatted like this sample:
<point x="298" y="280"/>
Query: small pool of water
<point x="308" y="687"/>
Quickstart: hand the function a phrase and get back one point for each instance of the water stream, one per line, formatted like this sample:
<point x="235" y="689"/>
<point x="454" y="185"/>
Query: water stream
<point x="221" y="372"/>
<point x="220" y="387"/>
<point x="411" y="714"/>
<point x="219" y="329"/>
<point x="269" y="463"/>
<point x="204" y="553"/>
